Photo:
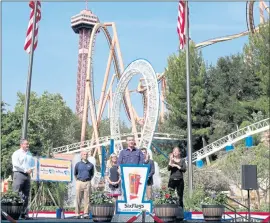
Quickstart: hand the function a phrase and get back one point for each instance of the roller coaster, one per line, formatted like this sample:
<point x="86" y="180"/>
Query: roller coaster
<point x="110" y="96"/>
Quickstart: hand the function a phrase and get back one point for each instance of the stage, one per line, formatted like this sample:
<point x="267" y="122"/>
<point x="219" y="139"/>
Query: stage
<point x="116" y="218"/>
<point x="90" y="220"/>
<point x="196" y="217"/>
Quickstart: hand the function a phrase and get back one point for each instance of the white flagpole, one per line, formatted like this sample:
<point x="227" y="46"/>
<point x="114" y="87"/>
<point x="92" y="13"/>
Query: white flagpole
<point x="189" y="128"/>
<point x="30" y="68"/>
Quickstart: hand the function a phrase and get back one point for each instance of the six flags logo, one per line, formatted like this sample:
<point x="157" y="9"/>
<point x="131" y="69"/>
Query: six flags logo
<point x="134" y="178"/>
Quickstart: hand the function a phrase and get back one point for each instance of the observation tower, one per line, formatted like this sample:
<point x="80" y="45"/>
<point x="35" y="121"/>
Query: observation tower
<point x="82" y="24"/>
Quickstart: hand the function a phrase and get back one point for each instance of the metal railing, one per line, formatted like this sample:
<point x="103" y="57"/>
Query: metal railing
<point x="237" y="216"/>
<point x="240" y="134"/>
<point x="105" y="140"/>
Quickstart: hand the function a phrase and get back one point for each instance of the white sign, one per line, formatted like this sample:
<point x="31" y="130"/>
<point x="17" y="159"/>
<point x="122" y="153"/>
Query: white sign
<point x="134" y="178"/>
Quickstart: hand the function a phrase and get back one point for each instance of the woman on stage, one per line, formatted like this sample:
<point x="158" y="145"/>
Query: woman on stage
<point x="112" y="176"/>
<point x="177" y="166"/>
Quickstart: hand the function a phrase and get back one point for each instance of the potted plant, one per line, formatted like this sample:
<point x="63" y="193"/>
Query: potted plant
<point x="213" y="206"/>
<point x="165" y="204"/>
<point x="12" y="204"/>
<point x="59" y="195"/>
<point x="102" y="206"/>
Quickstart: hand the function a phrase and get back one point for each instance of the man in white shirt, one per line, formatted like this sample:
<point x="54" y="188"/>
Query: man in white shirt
<point x="21" y="174"/>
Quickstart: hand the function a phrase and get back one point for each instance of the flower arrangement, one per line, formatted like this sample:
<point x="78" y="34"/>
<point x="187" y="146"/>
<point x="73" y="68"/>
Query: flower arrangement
<point x="11" y="197"/>
<point x="99" y="197"/>
<point x="215" y="199"/>
<point x="165" y="196"/>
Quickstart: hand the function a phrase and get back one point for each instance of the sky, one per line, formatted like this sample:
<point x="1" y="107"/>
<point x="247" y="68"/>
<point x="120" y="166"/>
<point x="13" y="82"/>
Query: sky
<point x="145" y="30"/>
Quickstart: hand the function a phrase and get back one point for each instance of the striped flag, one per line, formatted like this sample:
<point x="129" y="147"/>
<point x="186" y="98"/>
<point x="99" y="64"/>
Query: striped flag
<point x="28" y="40"/>
<point x="181" y="20"/>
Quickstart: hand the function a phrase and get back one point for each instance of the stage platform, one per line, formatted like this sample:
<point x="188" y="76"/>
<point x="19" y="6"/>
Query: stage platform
<point x="196" y="217"/>
<point x="116" y="218"/>
<point x="89" y="220"/>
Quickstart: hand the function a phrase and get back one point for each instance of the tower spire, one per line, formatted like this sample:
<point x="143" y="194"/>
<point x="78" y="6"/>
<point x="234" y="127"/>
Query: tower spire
<point x="86" y="4"/>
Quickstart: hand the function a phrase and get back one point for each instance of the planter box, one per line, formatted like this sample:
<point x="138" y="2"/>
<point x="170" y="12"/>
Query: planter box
<point x="212" y="212"/>
<point x="13" y="210"/>
<point x="166" y="212"/>
<point x="102" y="212"/>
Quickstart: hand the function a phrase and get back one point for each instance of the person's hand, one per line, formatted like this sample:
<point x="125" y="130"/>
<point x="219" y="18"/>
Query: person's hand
<point x="29" y="171"/>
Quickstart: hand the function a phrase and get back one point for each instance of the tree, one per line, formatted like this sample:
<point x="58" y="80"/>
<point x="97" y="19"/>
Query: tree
<point x="257" y="61"/>
<point x="104" y="128"/>
<point x="231" y="88"/>
<point x="176" y="95"/>
<point x="51" y="124"/>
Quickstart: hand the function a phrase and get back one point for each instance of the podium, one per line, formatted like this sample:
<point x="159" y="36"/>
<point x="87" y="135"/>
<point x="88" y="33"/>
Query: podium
<point x="134" y="178"/>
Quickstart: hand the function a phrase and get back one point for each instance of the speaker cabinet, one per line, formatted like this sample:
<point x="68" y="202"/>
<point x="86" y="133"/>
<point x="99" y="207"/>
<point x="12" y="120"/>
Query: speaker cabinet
<point x="249" y="177"/>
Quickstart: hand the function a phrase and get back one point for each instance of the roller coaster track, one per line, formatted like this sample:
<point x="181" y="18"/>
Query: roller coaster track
<point x="115" y="60"/>
<point x="144" y="68"/>
<point x="105" y="141"/>
<point x="250" y="25"/>
<point x="232" y="138"/>
<point x="206" y="151"/>
<point x="249" y="16"/>
<point x="96" y="118"/>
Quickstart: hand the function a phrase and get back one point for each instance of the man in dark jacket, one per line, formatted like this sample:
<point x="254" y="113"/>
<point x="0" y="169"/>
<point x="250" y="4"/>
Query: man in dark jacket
<point x="150" y="182"/>
<point x="130" y="155"/>
<point x="83" y="172"/>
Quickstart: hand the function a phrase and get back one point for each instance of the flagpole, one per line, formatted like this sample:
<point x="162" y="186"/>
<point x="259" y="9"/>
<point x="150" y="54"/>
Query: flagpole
<point x="30" y="68"/>
<point x="189" y="144"/>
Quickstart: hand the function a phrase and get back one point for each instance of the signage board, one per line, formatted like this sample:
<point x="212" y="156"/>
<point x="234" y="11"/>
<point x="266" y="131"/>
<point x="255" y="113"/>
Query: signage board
<point x="56" y="170"/>
<point x="134" y="178"/>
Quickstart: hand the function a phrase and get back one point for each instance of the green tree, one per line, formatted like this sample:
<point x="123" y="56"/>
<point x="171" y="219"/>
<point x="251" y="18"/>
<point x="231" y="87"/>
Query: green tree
<point x="104" y="127"/>
<point x="257" y="59"/>
<point x="176" y="95"/>
<point x="231" y="88"/>
<point x="51" y="124"/>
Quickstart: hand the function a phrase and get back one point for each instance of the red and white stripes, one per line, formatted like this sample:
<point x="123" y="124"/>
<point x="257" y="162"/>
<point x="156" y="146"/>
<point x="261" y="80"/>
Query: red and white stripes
<point x="28" y="40"/>
<point x="181" y="20"/>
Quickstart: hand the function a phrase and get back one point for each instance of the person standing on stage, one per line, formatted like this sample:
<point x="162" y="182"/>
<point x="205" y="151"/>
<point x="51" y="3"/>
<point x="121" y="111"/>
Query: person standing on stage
<point x="83" y="172"/>
<point x="150" y="181"/>
<point x="131" y="155"/>
<point x="21" y="174"/>
<point x="177" y="166"/>
<point x="112" y="176"/>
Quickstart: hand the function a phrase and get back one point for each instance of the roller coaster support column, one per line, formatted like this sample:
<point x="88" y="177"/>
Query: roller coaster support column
<point x="159" y="150"/>
<point x="105" y="81"/>
<point x="127" y="96"/>
<point x="208" y="161"/>
<point x="207" y="158"/>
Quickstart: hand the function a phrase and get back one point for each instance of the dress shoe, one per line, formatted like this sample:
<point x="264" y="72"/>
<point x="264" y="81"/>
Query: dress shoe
<point x="26" y="217"/>
<point x="86" y="216"/>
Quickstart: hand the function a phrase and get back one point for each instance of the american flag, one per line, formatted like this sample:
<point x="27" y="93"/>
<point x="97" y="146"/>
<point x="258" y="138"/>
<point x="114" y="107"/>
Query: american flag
<point x="28" y="40"/>
<point x="181" y="20"/>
